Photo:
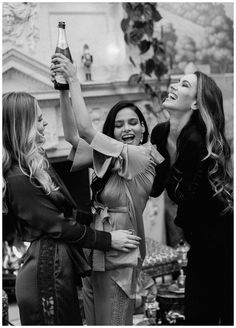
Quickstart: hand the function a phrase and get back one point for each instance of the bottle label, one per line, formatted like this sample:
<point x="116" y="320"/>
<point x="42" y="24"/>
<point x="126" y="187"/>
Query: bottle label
<point x="60" y="78"/>
<point x="65" y="52"/>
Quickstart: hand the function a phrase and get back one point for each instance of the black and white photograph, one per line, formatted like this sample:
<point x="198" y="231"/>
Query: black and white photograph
<point x="117" y="163"/>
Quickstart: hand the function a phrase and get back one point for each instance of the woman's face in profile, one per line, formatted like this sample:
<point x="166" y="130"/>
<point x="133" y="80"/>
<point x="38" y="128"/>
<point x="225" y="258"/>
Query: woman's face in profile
<point x="182" y="95"/>
<point x="41" y="124"/>
<point x="128" y="128"/>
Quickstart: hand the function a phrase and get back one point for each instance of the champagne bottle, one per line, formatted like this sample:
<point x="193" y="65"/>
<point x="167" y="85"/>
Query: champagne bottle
<point x="62" y="47"/>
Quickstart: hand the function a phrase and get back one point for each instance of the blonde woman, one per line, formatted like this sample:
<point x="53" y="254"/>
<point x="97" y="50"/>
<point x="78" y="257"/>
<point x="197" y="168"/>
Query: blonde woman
<point x="37" y="204"/>
<point x="197" y="174"/>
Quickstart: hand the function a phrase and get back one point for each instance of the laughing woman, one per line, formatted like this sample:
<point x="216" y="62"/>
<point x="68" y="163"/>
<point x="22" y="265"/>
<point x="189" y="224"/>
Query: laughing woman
<point x="124" y="165"/>
<point x="197" y="174"/>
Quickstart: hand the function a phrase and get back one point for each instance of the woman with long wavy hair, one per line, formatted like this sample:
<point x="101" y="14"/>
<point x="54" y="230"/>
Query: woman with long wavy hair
<point x="197" y="175"/>
<point x="38" y="206"/>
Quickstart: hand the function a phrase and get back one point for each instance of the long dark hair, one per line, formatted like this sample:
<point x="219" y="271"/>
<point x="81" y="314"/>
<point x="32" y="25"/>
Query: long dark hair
<point x="108" y="129"/>
<point x="211" y="116"/>
<point x="109" y="124"/>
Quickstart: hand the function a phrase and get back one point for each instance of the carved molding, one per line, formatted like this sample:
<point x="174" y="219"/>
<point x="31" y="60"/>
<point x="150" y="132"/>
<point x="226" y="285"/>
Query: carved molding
<point x="20" y="23"/>
<point x="25" y="73"/>
<point x="17" y="80"/>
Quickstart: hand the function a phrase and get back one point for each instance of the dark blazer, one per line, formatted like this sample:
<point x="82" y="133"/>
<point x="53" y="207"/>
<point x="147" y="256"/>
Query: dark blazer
<point x="199" y="212"/>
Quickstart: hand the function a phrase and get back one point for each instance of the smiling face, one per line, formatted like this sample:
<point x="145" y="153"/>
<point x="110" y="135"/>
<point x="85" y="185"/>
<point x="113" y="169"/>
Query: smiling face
<point x="182" y="95"/>
<point x="41" y="124"/>
<point x="128" y="128"/>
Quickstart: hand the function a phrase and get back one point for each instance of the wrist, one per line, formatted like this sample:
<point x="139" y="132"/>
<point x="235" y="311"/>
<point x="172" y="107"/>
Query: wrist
<point x="73" y="79"/>
<point x="64" y="92"/>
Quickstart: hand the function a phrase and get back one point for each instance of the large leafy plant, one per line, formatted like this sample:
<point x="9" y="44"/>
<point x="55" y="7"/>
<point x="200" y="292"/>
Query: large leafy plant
<point x="138" y="28"/>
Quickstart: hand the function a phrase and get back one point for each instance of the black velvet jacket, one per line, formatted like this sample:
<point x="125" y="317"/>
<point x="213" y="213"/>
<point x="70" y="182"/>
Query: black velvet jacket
<point x="199" y="211"/>
<point x="36" y="214"/>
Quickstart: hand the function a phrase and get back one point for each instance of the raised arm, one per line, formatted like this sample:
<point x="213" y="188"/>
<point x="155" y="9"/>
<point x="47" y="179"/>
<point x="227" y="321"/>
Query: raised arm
<point x="68" y="120"/>
<point x="71" y="132"/>
<point x="82" y="117"/>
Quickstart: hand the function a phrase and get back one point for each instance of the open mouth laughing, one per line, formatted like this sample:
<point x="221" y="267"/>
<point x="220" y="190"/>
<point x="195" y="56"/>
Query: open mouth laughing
<point x="128" y="138"/>
<point x="172" y="96"/>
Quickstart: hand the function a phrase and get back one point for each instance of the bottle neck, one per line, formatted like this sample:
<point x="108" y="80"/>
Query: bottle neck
<point x="62" y="40"/>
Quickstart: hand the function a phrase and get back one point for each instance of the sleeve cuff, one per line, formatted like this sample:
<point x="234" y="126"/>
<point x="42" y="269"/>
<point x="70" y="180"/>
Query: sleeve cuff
<point x="95" y="239"/>
<point x="103" y="240"/>
<point x="81" y="157"/>
<point x="106" y="145"/>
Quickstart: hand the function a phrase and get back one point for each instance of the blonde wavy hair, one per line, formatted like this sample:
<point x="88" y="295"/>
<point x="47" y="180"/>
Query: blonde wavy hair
<point x="19" y="142"/>
<point x="212" y="118"/>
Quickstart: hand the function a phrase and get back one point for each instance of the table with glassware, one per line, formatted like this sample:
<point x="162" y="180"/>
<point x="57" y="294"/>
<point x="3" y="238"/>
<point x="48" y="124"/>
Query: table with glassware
<point x="160" y="261"/>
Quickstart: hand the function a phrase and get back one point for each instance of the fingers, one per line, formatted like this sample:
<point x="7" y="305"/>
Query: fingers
<point x="132" y="246"/>
<point x="126" y="231"/>
<point x="58" y="68"/>
<point x="130" y="235"/>
<point x="130" y="232"/>
<point x="53" y="74"/>
<point x="135" y="243"/>
<point x="58" y="55"/>
<point x="134" y="237"/>
<point x="58" y="59"/>
<point x="129" y="247"/>
<point x="63" y="65"/>
<point x="58" y="65"/>
<point x="131" y="242"/>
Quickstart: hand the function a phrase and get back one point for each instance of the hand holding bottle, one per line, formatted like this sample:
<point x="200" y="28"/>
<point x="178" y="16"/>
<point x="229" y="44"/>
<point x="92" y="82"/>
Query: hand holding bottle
<point x="60" y="83"/>
<point x="61" y="64"/>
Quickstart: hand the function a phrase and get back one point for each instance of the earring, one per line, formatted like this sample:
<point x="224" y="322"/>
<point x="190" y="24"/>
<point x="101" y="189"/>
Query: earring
<point x="141" y="139"/>
<point x="194" y="108"/>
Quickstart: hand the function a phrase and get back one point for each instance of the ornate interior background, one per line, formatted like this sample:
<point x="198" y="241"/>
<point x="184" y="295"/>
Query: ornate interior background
<point x="29" y="39"/>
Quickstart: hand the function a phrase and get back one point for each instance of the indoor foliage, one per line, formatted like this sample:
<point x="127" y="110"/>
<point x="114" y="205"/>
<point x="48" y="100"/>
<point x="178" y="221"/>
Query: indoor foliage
<point x="138" y="28"/>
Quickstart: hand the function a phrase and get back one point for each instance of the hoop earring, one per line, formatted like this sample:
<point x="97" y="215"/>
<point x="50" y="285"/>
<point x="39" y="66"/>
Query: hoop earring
<point x="193" y="108"/>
